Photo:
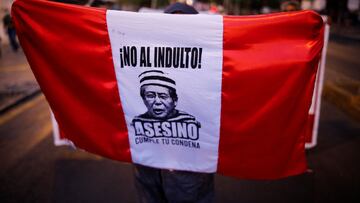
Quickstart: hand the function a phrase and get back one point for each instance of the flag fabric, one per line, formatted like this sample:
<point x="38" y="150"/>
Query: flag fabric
<point x="311" y="134"/>
<point x="202" y="93"/>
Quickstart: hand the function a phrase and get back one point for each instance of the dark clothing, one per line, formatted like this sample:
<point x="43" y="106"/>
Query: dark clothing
<point x="11" y="32"/>
<point x="160" y="186"/>
<point x="7" y="21"/>
<point x="12" y="38"/>
<point x="180" y="8"/>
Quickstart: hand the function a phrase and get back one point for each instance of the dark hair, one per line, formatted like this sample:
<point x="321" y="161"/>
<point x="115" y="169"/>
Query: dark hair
<point x="98" y="3"/>
<point x="172" y="91"/>
<point x="180" y="8"/>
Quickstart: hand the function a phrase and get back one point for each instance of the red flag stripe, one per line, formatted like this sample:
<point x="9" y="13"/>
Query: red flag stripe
<point x="254" y="120"/>
<point x="88" y="110"/>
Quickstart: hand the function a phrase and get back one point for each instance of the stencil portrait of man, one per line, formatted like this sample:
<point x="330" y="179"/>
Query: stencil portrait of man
<point x="158" y="92"/>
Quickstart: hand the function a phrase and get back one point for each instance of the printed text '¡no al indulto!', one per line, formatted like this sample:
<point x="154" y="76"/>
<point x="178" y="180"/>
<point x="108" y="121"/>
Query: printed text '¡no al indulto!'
<point x="161" y="57"/>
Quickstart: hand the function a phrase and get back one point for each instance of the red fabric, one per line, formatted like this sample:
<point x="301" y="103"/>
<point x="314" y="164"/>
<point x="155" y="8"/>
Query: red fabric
<point x="69" y="51"/>
<point x="269" y="68"/>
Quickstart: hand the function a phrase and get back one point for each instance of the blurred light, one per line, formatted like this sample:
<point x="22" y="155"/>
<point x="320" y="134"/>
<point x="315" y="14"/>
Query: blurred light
<point x="189" y="2"/>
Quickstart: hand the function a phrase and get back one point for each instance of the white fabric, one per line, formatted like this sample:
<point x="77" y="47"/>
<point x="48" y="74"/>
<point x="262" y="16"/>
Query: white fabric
<point x="353" y="5"/>
<point x="319" y="83"/>
<point x="200" y="98"/>
<point x="306" y="4"/>
<point x="319" y="5"/>
<point x="58" y="140"/>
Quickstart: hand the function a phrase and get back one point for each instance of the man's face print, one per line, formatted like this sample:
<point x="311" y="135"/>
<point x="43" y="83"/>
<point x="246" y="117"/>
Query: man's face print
<point x="158" y="101"/>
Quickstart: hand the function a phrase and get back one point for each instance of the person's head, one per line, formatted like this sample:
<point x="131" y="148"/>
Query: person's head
<point x="180" y="8"/>
<point x="102" y="4"/>
<point x="158" y="93"/>
<point x="290" y="6"/>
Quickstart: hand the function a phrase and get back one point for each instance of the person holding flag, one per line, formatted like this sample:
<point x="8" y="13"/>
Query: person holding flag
<point x="252" y="104"/>
<point x="162" y="185"/>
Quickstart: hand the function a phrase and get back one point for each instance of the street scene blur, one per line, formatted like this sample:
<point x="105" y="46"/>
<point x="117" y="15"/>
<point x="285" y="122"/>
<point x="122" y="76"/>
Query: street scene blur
<point x="33" y="169"/>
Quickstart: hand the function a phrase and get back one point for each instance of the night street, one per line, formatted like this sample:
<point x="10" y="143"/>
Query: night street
<point x="237" y="72"/>
<point x="34" y="170"/>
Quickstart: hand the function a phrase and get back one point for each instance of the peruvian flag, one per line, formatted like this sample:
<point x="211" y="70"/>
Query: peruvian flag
<point x="202" y="93"/>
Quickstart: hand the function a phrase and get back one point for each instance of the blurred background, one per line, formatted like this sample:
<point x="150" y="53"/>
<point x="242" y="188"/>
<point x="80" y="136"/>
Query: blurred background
<point x="32" y="169"/>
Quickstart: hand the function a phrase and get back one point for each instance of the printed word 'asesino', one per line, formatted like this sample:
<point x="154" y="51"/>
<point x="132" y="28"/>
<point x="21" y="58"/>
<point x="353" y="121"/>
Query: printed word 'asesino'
<point x="167" y="129"/>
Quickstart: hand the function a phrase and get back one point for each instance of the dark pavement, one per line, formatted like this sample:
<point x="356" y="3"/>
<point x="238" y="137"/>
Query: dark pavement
<point x="17" y="83"/>
<point x="342" y="75"/>
<point x="336" y="159"/>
